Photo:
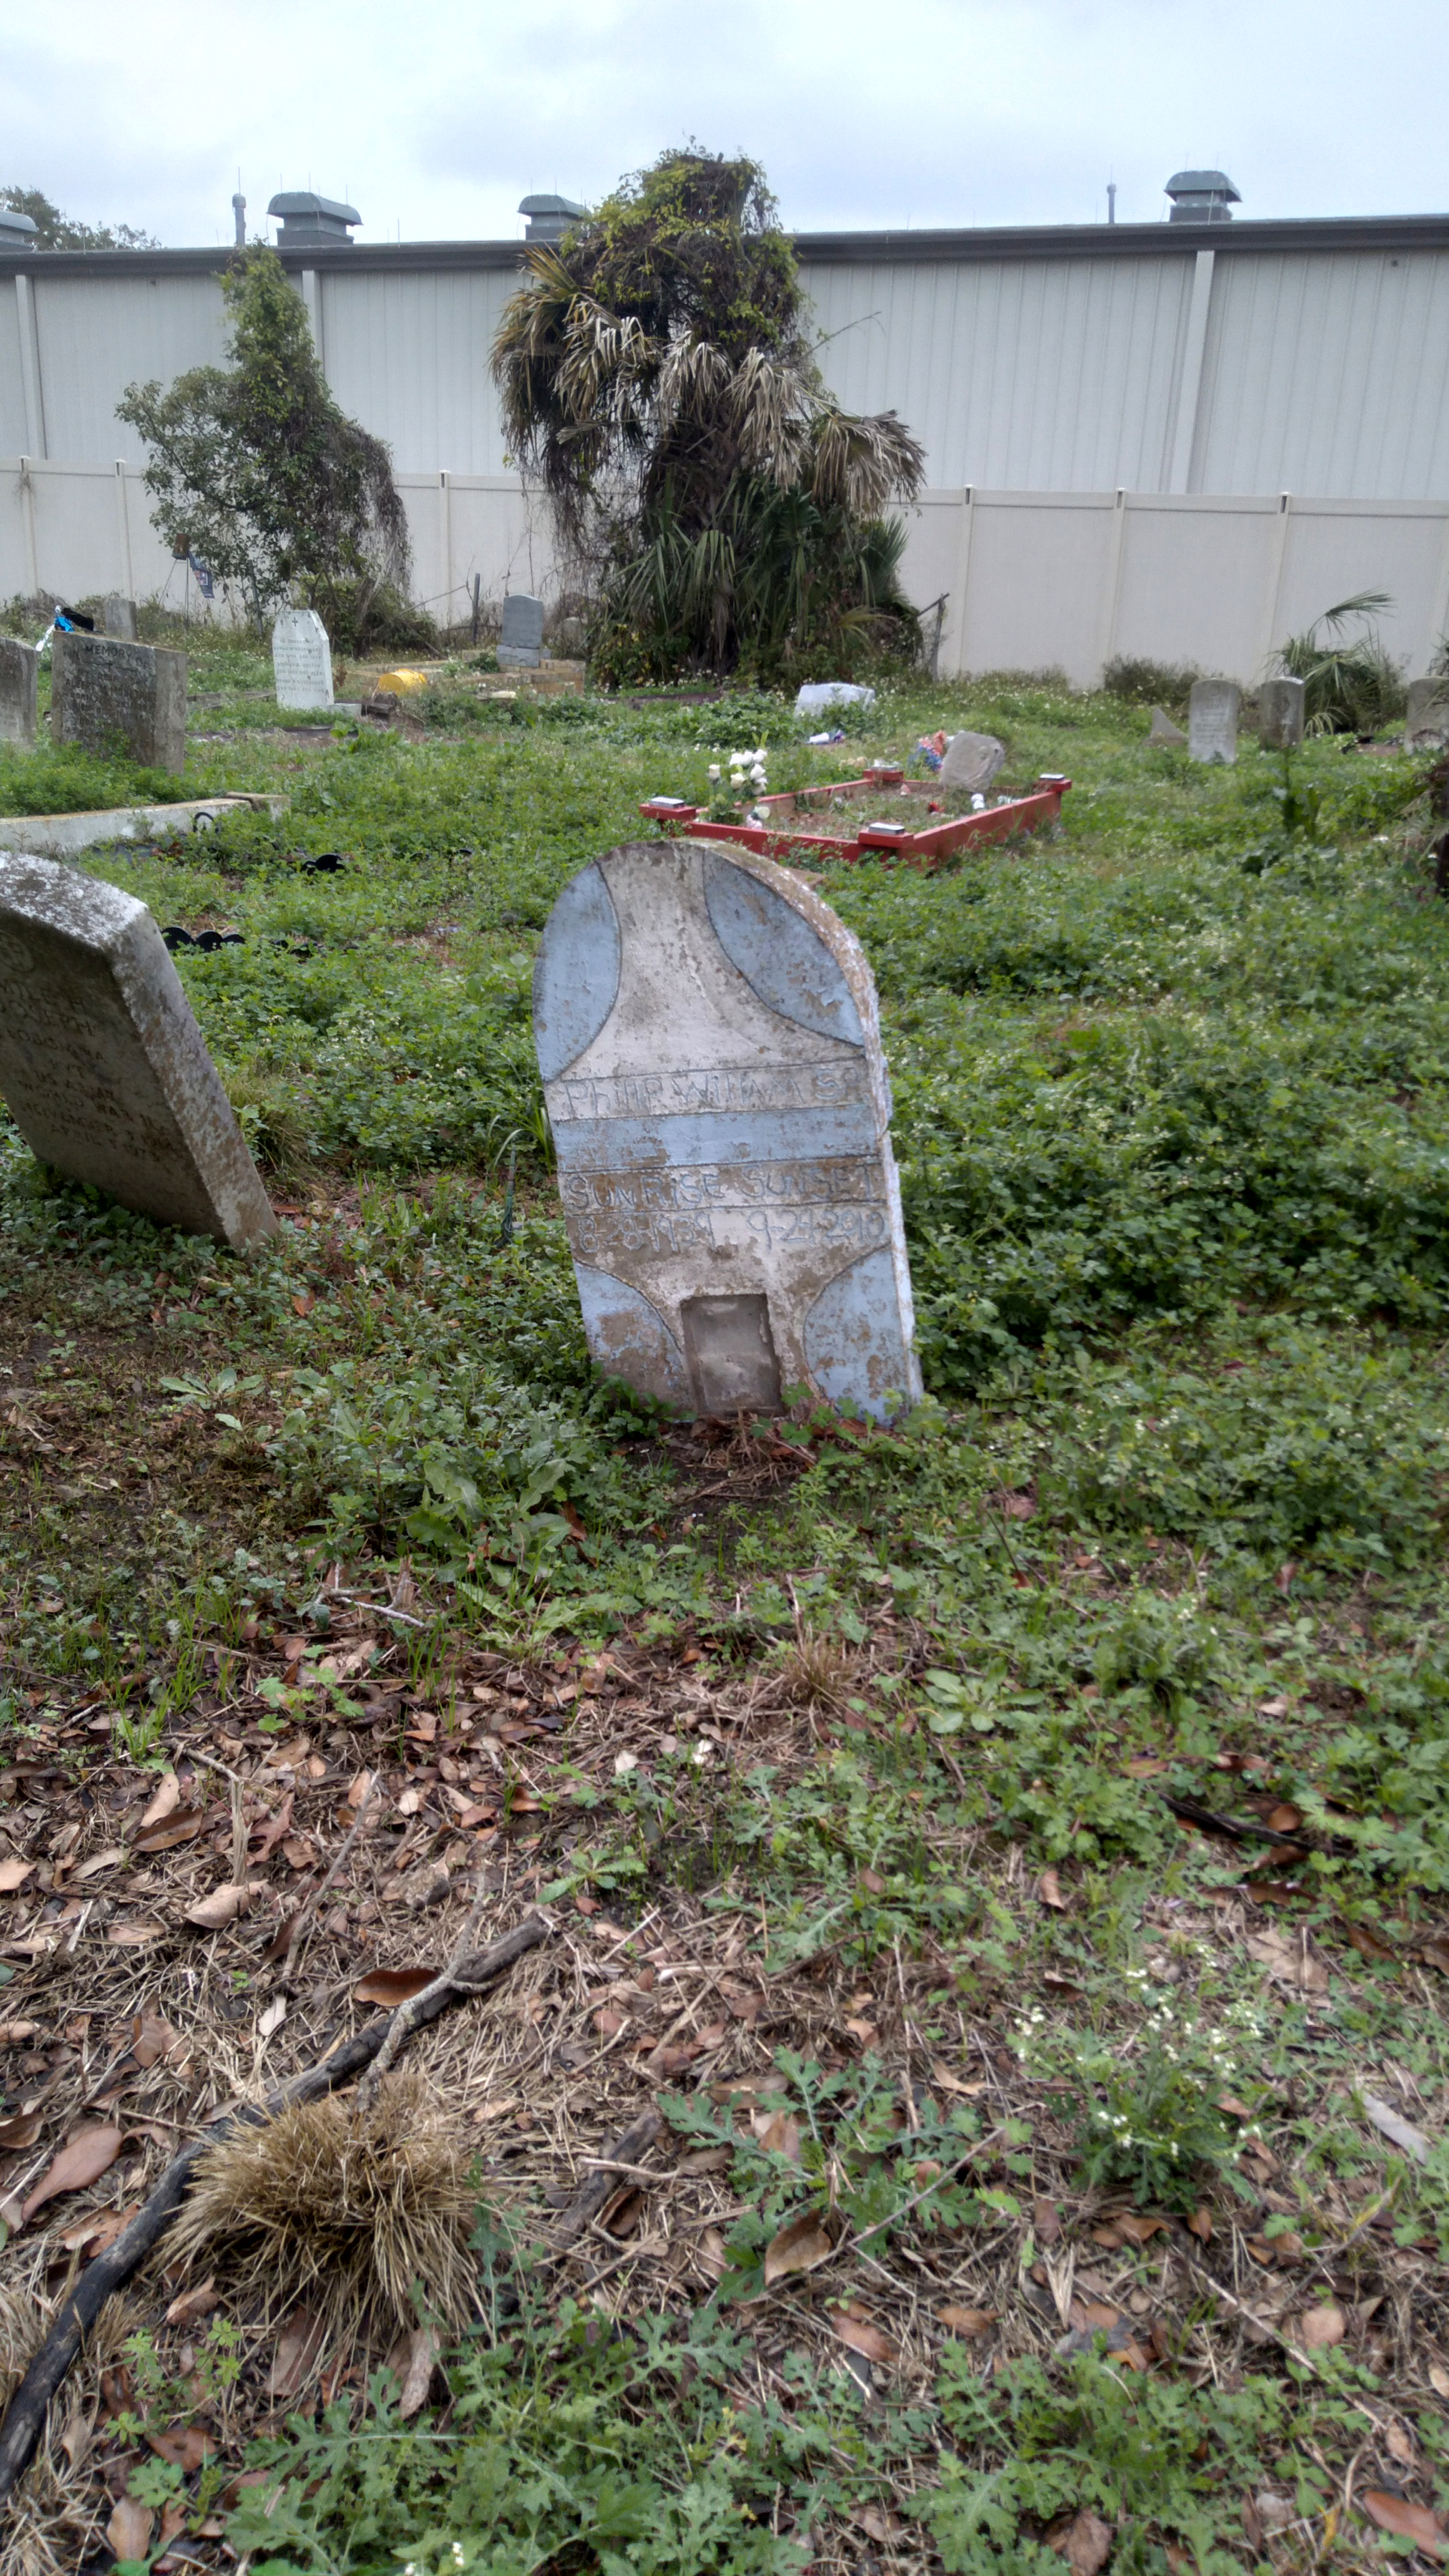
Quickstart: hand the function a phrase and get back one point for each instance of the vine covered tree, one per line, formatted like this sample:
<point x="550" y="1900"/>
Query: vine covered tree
<point x="256" y="469"/>
<point x="657" y="375"/>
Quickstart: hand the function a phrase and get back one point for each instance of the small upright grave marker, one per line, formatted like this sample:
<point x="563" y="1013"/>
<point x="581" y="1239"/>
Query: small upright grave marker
<point x="19" y="668"/>
<point x="521" y="644"/>
<point x="105" y="694"/>
<point x="301" y="659"/>
<point x="118" y="617"/>
<point x="1280" y="714"/>
<point x="971" y="762"/>
<point x="1162" y="730"/>
<point x="1212" y="720"/>
<point x="102" y="1065"/>
<point x="1426" y="719"/>
<point x="709" y="1043"/>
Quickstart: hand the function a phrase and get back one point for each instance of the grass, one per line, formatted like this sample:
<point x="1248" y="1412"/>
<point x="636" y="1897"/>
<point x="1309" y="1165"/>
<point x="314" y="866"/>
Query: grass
<point x="1011" y="1850"/>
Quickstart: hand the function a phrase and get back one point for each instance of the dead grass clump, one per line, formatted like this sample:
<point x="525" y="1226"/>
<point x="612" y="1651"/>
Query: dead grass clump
<point x="367" y="2214"/>
<point x="817" y="1672"/>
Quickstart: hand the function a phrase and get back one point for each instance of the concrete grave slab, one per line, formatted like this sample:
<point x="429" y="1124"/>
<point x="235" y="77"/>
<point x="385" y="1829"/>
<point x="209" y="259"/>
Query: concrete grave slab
<point x="301" y="659"/>
<point x="19" y="672"/>
<point x="1212" y="721"/>
<point x="520" y="646"/>
<point x="64" y="836"/>
<point x="971" y="762"/>
<point x="813" y="695"/>
<point x="710" y="1048"/>
<point x="106" y="695"/>
<point x="102" y="1065"/>
<point x="1280" y="714"/>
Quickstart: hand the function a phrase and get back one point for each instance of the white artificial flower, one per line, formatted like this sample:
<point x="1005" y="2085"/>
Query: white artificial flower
<point x="714" y="773"/>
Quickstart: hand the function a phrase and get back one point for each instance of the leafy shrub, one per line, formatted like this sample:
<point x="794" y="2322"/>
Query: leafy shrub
<point x="1144" y="683"/>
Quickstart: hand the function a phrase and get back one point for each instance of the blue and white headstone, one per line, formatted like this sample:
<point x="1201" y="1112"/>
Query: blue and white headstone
<point x="710" y="1049"/>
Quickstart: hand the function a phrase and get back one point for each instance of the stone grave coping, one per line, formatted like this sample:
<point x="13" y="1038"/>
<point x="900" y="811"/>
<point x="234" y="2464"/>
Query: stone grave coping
<point x="709" y="1041"/>
<point x="62" y="836"/>
<point x="102" y="1065"/>
<point x="790" y="833"/>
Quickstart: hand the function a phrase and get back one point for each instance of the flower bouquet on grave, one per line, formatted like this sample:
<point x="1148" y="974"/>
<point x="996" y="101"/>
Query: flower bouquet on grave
<point x="748" y="778"/>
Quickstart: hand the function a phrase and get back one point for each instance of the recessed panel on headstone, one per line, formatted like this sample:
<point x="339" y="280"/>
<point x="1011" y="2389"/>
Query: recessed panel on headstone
<point x="1426" y="718"/>
<point x="520" y="647"/>
<point x="1212" y="720"/>
<point x="118" y="617"/>
<point x="971" y="762"/>
<point x="111" y="698"/>
<point x="102" y="1065"/>
<point x="710" y="1048"/>
<point x="19" y="670"/>
<point x="1280" y="714"/>
<point x="301" y="659"/>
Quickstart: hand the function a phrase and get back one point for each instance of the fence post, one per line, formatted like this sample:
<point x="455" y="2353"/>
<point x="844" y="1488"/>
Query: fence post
<point x="123" y="514"/>
<point x="27" y="503"/>
<point x="963" y="573"/>
<point x="1112" y="585"/>
<point x="1277" y="556"/>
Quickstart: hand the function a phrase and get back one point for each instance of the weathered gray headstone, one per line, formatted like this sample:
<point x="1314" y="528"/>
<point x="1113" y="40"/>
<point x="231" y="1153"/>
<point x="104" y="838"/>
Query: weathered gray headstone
<point x="520" y="646"/>
<point x="107" y="696"/>
<point x="1426" y="721"/>
<point x="301" y="659"/>
<point x="971" y="762"/>
<point x="1163" y="730"/>
<point x="102" y="1065"/>
<point x="19" y="668"/>
<point x="118" y="617"/>
<point x="709" y="1043"/>
<point x="1212" y="720"/>
<point x="1280" y="714"/>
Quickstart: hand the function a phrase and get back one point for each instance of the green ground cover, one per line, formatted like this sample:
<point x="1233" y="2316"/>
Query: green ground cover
<point x="1172" y="1112"/>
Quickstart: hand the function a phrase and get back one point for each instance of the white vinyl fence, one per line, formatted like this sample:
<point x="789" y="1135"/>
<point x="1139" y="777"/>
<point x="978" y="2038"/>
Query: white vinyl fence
<point x="1031" y="579"/>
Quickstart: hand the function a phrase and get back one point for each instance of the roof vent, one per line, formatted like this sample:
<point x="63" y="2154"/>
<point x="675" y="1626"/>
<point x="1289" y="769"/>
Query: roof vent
<point x="312" y="223"/>
<point x="549" y="218"/>
<point x="1202" y="197"/>
<point x="17" y="232"/>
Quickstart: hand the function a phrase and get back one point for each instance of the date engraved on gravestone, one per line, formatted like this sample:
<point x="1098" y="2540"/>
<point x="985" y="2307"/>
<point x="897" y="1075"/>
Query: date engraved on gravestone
<point x="102" y="1065"/>
<point x="708" y="1038"/>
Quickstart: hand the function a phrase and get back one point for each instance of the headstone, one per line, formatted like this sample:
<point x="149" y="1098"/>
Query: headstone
<point x="971" y="762"/>
<point x="107" y="696"/>
<point x="831" y="693"/>
<point x="1163" y="730"/>
<point x="301" y="659"/>
<point x="709" y="1043"/>
<point x="1426" y="721"/>
<point x="102" y="1065"/>
<point x="520" y="646"/>
<point x="1212" y="720"/>
<point x="118" y="617"/>
<point x="1280" y="714"/>
<point x="19" y="669"/>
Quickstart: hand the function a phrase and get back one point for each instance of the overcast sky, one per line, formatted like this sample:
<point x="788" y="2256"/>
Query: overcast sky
<point x="435" y="119"/>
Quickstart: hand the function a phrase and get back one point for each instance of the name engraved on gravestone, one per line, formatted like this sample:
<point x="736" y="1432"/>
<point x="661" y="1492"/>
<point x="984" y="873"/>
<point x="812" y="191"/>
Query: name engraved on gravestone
<point x="102" y="1065"/>
<point x="520" y="646"/>
<point x="19" y="670"/>
<point x="1426" y="717"/>
<point x="1212" y="720"/>
<point x="301" y="659"/>
<point x="709" y="1042"/>
<point x="1280" y="714"/>
<point x="118" y="617"/>
<point x="106" y="695"/>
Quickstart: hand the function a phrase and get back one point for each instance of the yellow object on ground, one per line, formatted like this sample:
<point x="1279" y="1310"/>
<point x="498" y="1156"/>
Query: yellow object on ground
<point x="402" y="681"/>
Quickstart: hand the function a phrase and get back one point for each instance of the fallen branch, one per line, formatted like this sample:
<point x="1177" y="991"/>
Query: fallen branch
<point x="25" y="2417"/>
<point x="586" y="2204"/>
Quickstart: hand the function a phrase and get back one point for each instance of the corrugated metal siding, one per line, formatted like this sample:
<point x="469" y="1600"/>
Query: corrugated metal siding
<point x="1327" y="375"/>
<point x="1045" y="375"/>
<point x="13" y="441"/>
<point x="409" y="357"/>
<point x="97" y="336"/>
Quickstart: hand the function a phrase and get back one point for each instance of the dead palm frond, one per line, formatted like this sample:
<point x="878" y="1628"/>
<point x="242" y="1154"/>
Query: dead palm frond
<point x="365" y="2214"/>
<point x="859" y="461"/>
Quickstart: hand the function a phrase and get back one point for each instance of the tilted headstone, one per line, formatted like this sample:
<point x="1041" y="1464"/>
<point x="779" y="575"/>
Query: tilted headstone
<point x="1212" y="720"/>
<point x="1163" y="730"/>
<point x="1280" y="714"/>
<point x="301" y="659"/>
<point x="107" y="696"/>
<point x="102" y="1065"/>
<point x="520" y="646"/>
<point x="118" y="617"/>
<point x="815" y="694"/>
<point x="19" y="669"/>
<point x="971" y="762"/>
<point x="1426" y="720"/>
<point x="709" y="1043"/>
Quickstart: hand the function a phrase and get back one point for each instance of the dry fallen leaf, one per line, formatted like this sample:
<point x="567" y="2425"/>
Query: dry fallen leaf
<point x="188" y="2449"/>
<point x="168" y="1795"/>
<point x="134" y="1932"/>
<point x="14" y="2034"/>
<point x="1407" y="2521"/>
<point x="222" y="1906"/>
<point x="129" y="2528"/>
<point x="1049" y="1890"/>
<point x="273" y="2018"/>
<point x="1290" y="1963"/>
<point x="1085" y="2542"/>
<point x="1400" y="2133"/>
<point x="82" y="2160"/>
<point x="23" y="2127"/>
<point x="865" y="2339"/>
<point x="801" y="2247"/>
<point x="1320" y="2327"/>
<point x="878" y="2523"/>
<point x="93" y="1867"/>
<point x="777" y="2133"/>
<point x="182" y="1825"/>
<point x="152" y="2038"/>
<point x="418" y="2377"/>
<point x="193" y="2305"/>
<point x="359" y="1787"/>
<point x="1439" y="2379"/>
<point x="706" y="2160"/>
<point x="298" y="2347"/>
<point x="13" y="1875"/>
<point x="967" y="2321"/>
<point x="393" y="1986"/>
